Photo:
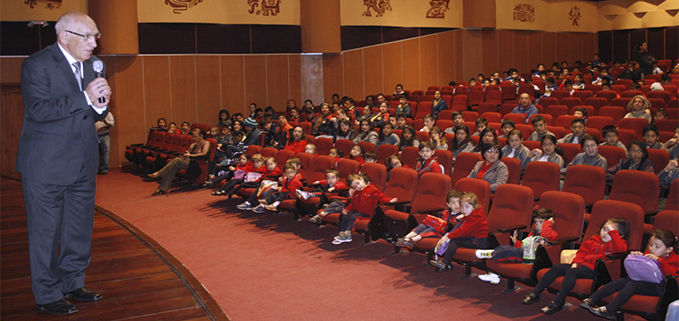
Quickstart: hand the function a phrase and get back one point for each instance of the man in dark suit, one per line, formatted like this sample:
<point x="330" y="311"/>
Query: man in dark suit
<point x="58" y="158"/>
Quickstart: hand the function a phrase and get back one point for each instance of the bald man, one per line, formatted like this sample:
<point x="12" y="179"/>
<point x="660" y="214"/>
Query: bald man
<point x="525" y="107"/>
<point x="58" y="158"/>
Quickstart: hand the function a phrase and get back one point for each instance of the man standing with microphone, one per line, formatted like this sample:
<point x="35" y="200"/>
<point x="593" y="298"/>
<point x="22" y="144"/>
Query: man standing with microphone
<point x="58" y="160"/>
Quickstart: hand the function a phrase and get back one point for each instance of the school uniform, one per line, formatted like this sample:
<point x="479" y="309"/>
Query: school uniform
<point x="363" y="204"/>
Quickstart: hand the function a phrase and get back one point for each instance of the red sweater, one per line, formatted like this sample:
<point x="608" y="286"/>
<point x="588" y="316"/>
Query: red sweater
<point x="339" y="186"/>
<point x="474" y="225"/>
<point x="250" y="167"/>
<point x="365" y="201"/>
<point x="548" y="232"/>
<point x="296" y="147"/>
<point x="669" y="264"/>
<point x="359" y="159"/>
<point x="430" y="165"/>
<point x="271" y="175"/>
<point x="290" y="186"/>
<point x="595" y="249"/>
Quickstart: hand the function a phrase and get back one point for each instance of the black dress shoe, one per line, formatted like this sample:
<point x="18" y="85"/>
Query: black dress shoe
<point x="84" y="294"/>
<point x="61" y="307"/>
<point x="530" y="299"/>
<point x="552" y="308"/>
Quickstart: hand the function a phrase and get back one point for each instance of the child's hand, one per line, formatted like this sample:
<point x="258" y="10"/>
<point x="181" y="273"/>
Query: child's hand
<point x="231" y="168"/>
<point x="331" y="189"/>
<point x="394" y="200"/>
<point x="551" y="220"/>
<point x="651" y="256"/>
<point x="671" y="165"/>
<point x="316" y="183"/>
<point x="636" y="253"/>
<point x="514" y="236"/>
<point x="534" y="153"/>
<point x="459" y="217"/>
<point x="344" y="212"/>
<point x="574" y="265"/>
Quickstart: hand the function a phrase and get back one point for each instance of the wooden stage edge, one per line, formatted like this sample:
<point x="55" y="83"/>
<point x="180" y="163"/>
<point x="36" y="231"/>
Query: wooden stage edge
<point x="201" y="294"/>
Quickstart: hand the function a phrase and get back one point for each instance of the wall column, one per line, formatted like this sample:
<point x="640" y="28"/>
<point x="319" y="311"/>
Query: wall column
<point x="117" y="22"/>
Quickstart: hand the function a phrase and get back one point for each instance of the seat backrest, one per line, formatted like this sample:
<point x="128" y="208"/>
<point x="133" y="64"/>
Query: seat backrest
<point x="667" y="124"/>
<point x="569" y="212"/>
<point x="409" y="156"/>
<point x="599" y="122"/>
<point x="345" y="145"/>
<point x="556" y="111"/>
<point x="282" y="156"/>
<point x="423" y="108"/>
<point x="612" y="154"/>
<point x="307" y="161"/>
<point x="569" y="151"/>
<point x="668" y="220"/>
<point x="587" y="181"/>
<point x="468" y="116"/>
<point x="583" y="94"/>
<point x="627" y="135"/>
<point x="615" y="112"/>
<point x="635" y="124"/>
<point x="269" y="152"/>
<point x="492" y="117"/>
<point x="517" y="118"/>
<point x="637" y="187"/>
<point x="384" y="151"/>
<point x="673" y="198"/>
<point x="514" y="169"/>
<point x="564" y="121"/>
<point x="477" y="186"/>
<point x="324" y="145"/>
<point x="253" y="149"/>
<point x="596" y="102"/>
<point x="560" y="94"/>
<point x="605" y="209"/>
<point x="402" y="184"/>
<point x="432" y="189"/>
<point x="512" y="206"/>
<point x="662" y="94"/>
<point x="322" y="163"/>
<point x="487" y="107"/>
<point x="445" y="159"/>
<point x="548" y="101"/>
<point x="367" y="146"/>
<point x="608" y="94"/>
<point x="541" y="177"/>
<point x="570" y="101"/>
<point x="464" y="163"/>
<point x="377" y="173"/>
<point x="346" y="167"/>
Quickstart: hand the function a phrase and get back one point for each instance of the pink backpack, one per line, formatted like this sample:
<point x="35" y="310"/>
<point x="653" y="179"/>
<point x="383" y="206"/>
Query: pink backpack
<point x="641" y="268"/>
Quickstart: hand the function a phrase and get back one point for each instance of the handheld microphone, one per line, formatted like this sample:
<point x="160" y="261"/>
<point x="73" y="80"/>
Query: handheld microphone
<point x="98" y="67"/>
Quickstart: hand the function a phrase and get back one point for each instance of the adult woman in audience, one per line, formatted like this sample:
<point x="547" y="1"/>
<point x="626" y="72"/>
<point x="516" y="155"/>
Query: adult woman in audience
<point x="590" y="156"/>
<point x="172" y="128"/>
<point x="345" y="130"/>
<point x="491" y="168"/>
<point x="224" y="119"/>
<point x="387" y="136"/>
<point x="637" y="108"/>
<point x="438" y="103"/>
<point x="408" y="138"/>
<point x="548" y="152"/>
<point x="515" y="148"/>
<point x="462" y="142"/>
<point x="323" y="124"/>
<point x="298" y="141"/>
<point x="488" y="136"/>
<point x="161" y="125"/>
<point x="637" y="160"/>
<point x="366" y="133"/>
<point x="645" y="59"/>
<point x="199" y="148"/>
<point x="184" y="129"/>
<point x="437" y="138"/>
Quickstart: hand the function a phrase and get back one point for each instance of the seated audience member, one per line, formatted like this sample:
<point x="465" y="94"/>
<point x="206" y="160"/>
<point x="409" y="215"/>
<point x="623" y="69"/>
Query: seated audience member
<point x="548" y="152"/>
<point x="462" y="142"/>
<point x="366" y="133"/>
<point x="310" y="149"/>
<point x="404" y="106"/>
<point x="323" y="125"/>
<point x="393" y="161"/>
<point x="550" y="86"/>
<point x="271" y="173"/>
<point x="515" y="148"/>
<point x="438" y="104"/>
<point x="364" y="200"/>
<point x="408" y="138"/>
<point x="577" y="132"/>
<point x="351" y="108"/>
<point x="604" y="78"/>
<point x="282" y="132"/>
<point x="401" y="121"/>
<point x="491" y="168"/>
<point x="669" y="173"/>
<point x="630" y="73"/>
<point x="370" y="157"/>
<point x="269" y="131"/>
<point x="567" y="85"/>
<point x="252" y="132"/>
<point x="590" y="156"/>
<point x="298" y="141"/>
<point x="161" y="125"/>
<point x="185" y="127"/>
<point x="541" y="233"/>
<point x="651" y="134"/>
<point x="238" y="117"/>
<point x="382" y="117"/>
<point x="429" y="120"/>
<point x="507" y="126"/>
<point x="340" y="112"/>
<point x="295" y="119"/>
<point x="309" y="109"/>
<point x="422" y="231"/>
<point x="223" y="139"/>
<point x="172" y="128"/>
<point x="540" y="129"/>
<point x="287" y="188"/>
<point x="610" y="134"/>
<point x="437" y="138"/>
<point x="365" y="115"/>
<point x="637" y="160"/>
<point x="255" y="166"/>
<point x="356" y="153"/>
<point x="637" y="108"/>
<point x="660" y="114"/>
<point x="226" y="171"/>
<point x="671" y="144"/>
<point x="458" y="120"/>
<point x="387" y="136"/>
<point x="582" y="113"/>
<point x="427" y="162"/>
<point x="481" y="124"/>
<point x="578" y="84"/>
<point x="331" y="184"/>
<point x="370" y="101"/>
<point x="198" y="149"/>
<point x="345" y="130"/>
<point x="398" y="92"/>
<point x="612" y="238"/>
<point x="336" y="153"/>
<point x="470" y="231"/>
<point x="488" y="136"/>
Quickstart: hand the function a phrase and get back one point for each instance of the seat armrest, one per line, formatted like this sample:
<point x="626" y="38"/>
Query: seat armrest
<point x="511" y="228"/>
<point x="397" y="203"/>
<point x="437" y="212"/>
<point x="564" y="240"/>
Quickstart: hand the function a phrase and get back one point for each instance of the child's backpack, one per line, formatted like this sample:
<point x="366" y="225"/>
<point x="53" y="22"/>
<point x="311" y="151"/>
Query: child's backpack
<point x="641" y="268"/>
<point x="437" y="223"/>
<point x="530" y="246"/>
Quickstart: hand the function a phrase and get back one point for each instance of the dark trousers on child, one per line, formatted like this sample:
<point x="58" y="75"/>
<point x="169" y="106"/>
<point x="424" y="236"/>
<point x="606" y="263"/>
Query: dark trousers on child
<point x="571" y="275"/>
<point x="626" y="288"/>
<point x="467" y="242"/>
<point x="347" y="221"/>
<point x="278" y="197"/>
<point x="230" y="185"/>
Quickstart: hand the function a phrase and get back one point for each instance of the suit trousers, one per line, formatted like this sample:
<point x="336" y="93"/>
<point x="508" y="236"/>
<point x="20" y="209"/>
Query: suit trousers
<point x="170" y="170"/>
<point x="60" y="219"/>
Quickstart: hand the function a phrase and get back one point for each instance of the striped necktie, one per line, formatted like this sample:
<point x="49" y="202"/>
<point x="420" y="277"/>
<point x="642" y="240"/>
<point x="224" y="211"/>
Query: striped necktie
<point x="78" y="75"/>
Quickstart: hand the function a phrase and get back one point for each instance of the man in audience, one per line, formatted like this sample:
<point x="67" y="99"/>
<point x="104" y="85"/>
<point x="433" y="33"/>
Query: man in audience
<point x="577" y="132"/>
<point x="525" y="107"/>
<point x="540" y="128"/>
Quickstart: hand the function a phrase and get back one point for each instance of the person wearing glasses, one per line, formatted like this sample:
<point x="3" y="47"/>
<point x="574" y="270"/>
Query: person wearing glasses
<point x="491" y="169"/>
<point x="58" y="161"/>
<point x="637" y="160"/>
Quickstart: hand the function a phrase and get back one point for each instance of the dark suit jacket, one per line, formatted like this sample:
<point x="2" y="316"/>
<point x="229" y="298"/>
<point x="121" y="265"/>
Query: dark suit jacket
<point x="58" y="135"/>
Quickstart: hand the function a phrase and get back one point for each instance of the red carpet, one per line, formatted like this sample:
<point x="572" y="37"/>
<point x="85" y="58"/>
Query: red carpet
<point x="266" y="267"/>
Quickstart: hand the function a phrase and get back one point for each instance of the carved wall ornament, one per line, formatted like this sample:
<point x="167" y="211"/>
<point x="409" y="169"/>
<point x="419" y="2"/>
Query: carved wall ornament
<point x="438" y="9"/>
<point x="524" y="12"/>
<point x="268" y="7"/>
<point x="380" y="7"/>
<point x="181" y="5"/>
<point x="49" y="4"/>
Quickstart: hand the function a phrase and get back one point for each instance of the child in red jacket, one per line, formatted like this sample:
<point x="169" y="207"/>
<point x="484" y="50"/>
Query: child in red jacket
<point x="610" y="239"/>
<point x="271" y="173"/>
<point x="363" y="203"/>
<point x="471" y="232"/>
<point x="662" y="247"/>
<point x="331" y="184"/>
<point x="424" y="231"/>
<point x="356" y="154"/>
<point x="427" y="162"/>
<point x="287" y="188"/>
<point x="256" y="165"/>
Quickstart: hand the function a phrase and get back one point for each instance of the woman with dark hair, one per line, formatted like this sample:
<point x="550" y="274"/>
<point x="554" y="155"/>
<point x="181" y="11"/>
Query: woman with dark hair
<point x="491" y="169"/>
<point x="185" y="128"/>
<point x="408" y="138"/>
<point x="199" y="148"/>
<point x="298" y="141"/>
<point x="237" y="116"/>
<point x="162" y="125"/>
<point x="224" y="118"/>
<point x="637" y="160"/>
<point x="323" y="125"/>
<point x="488" y="136"/>
<point x="548" y="152"/>
<point x="438" y="103"/>
<point x="366" y="133"/>
<point x="590" y="155"/>
<point x="462" y="142"/>
<point x="645" y="59"/>
<point x="345" y="130"/>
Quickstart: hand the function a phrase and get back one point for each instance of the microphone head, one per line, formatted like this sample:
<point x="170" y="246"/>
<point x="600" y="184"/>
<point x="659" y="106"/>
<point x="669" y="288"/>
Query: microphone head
<point x="98" y="66"/>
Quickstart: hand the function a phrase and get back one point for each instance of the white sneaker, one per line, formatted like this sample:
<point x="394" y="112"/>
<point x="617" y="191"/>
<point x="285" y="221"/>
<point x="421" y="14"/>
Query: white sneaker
<point x="244" y="207"/>
<point x="303" y="194"/>
<point x="258" y="209"/>
<point x="342" y="239"/>
<point x="490" y="277"/>
<point x="484" y="254"/>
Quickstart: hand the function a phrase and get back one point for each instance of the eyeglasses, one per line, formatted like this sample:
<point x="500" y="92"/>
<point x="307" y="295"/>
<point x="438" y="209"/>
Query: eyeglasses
<point x="95" y="36"/>
<point x="492" y="151"/>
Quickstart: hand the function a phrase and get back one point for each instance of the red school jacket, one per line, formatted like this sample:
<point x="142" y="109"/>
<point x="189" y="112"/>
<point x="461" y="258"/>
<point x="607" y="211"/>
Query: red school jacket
<point x="594" y="249"/>
<point x="365" y="201"/>
<point x="474" y="225"/>
<point x="548" y="232"/>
